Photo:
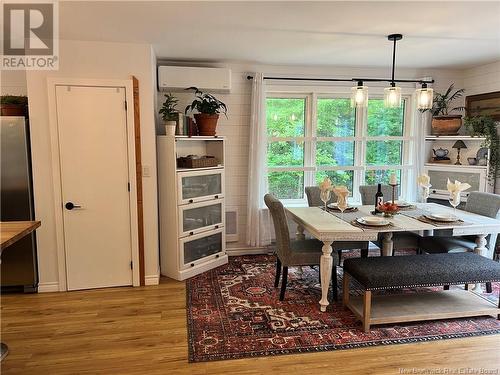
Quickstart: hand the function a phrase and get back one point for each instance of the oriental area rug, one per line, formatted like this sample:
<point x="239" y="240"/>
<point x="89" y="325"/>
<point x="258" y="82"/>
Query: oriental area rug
<point x="234" y="311"/>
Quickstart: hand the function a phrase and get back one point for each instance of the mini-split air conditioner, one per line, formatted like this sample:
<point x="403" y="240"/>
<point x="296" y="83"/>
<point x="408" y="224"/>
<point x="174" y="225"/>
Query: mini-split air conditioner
<point x="206" y="79"/>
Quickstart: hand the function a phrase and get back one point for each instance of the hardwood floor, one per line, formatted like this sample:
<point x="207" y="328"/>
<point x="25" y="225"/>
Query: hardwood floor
<point x="143" y="331"/>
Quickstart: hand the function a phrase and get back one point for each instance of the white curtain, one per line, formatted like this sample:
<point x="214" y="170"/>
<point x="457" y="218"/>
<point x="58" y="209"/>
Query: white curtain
<point x="422" y="124"/>
<point x="258" y="220"/>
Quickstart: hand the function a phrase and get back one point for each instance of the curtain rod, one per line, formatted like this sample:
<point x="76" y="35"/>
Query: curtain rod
<point x="345" y="79"/>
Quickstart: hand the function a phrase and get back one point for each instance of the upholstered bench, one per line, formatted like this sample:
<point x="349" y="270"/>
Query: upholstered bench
<point x="380" y="273"/>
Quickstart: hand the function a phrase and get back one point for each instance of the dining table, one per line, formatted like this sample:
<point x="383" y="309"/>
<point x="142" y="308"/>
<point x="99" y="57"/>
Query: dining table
<point x="10" y="233"/>
<point x="330" y="226"/>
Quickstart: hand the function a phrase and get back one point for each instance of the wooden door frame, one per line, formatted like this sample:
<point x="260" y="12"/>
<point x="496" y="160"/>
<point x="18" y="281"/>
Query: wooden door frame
<point x="52" y="83"/>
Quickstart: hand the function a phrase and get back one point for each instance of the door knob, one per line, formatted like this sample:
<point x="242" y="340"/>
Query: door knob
<point x="71" y="205"/>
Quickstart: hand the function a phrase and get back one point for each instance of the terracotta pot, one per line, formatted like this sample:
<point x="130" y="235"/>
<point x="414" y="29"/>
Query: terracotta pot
<point x="14" y="110"/>
<point x="206" y="123"/>
<point x="446" y="125"/>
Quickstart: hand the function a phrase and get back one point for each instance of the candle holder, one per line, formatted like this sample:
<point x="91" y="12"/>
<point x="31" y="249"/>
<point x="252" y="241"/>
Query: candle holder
<point x="393" y="191"/>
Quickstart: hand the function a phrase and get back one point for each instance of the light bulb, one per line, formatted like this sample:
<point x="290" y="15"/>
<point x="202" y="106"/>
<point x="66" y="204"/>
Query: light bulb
<point x="392" y="97"/>
<point x="424" y="97"/>
<point x="359" y="96"/>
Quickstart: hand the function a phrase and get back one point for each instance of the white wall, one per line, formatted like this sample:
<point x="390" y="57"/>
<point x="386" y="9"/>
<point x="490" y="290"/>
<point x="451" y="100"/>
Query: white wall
<point x="481" y="80"/>
<point x="236" y="127"/>
<point x="92" y="60"/>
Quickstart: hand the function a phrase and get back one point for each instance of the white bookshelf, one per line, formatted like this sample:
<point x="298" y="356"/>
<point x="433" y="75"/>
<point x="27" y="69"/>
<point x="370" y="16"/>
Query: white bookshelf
<point x="192" y="207"/>
<point x="475" y="175"/>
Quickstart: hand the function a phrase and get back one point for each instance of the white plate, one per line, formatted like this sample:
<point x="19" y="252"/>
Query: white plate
<point x="442" y="217"/>
<point x="373" y="220"/>
<point x="334" y="206"/>
<point x="402" y="204"/>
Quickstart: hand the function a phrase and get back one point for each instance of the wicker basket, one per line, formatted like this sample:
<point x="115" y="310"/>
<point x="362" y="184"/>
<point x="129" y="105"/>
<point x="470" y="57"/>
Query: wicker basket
<point x="203" y="162"/>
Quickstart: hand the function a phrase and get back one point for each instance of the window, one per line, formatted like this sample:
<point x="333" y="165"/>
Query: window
<point x="315" y="135"/>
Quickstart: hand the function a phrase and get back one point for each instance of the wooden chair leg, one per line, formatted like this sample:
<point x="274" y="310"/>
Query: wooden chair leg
<point x="345" y="289"/>
<point x="367" y="306"/>
<point x="446" y="287"/>
<point x="283" y="283"/>
<point x="334" y="282"/>
<point x="278" y="272"/>
<point x="489" y="289"/>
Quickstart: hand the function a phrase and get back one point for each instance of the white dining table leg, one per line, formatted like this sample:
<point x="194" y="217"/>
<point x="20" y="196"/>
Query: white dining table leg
<point x="387" y="244"/>
<point x="481" y="250"/>
<point x="325" y="265"/>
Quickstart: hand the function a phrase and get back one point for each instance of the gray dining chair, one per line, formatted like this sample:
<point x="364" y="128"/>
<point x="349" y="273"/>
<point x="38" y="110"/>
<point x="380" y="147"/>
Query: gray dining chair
<point x="314" y="200"/>
<point x="400" y="240"/>
<point x="485" y="204"/>
<point x="290" y="252"/>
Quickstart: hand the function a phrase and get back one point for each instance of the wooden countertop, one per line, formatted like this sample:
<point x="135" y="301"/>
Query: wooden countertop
<point x="12" y="231"/>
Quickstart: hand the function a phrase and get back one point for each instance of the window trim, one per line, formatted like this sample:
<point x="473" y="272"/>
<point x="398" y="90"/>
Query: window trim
<point x="311" y="94"/>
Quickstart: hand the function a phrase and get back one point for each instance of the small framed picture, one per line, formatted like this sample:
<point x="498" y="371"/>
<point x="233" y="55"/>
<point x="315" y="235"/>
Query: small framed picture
<point x="484" y="105"/>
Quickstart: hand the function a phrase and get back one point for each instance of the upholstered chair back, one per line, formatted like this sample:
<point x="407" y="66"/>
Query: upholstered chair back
<point x="486" y="204"/>
<point x="280" y="227"/>
<point x="368" y="193"/>
<point x="313" y="196"/>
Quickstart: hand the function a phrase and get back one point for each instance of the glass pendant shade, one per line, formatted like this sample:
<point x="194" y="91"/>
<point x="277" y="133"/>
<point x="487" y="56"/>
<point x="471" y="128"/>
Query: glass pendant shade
<point x="424" y="97"/>
<point x="392" y="97"/>
<point x="359" y="96"/>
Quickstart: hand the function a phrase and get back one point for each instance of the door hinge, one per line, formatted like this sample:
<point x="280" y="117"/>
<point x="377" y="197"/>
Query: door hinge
<point x="125" y="105"/>
<point x="128" y="186"/>
<point x="131" y="265"/>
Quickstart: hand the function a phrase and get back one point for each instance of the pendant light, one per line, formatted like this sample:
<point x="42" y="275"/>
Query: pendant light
<point x="392" y="94"/>
<point x="359" y="96"/>
<point x="424" y="97"/>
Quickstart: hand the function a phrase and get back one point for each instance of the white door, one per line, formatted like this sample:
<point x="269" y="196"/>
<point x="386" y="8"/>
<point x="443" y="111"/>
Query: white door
<point x="92" y="129"/>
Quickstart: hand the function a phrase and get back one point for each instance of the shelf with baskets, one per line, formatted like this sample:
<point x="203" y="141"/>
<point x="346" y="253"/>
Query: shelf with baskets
<point x="192" y="205"/>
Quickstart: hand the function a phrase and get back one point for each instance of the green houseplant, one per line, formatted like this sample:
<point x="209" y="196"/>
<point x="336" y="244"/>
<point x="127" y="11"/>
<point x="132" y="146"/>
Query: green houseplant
<point x="14" y="105"/>
<point x="209" y="108"/>
<point x="169" y="113"/>
<point x="444" y="123"/>
<point x="485" y="126"/>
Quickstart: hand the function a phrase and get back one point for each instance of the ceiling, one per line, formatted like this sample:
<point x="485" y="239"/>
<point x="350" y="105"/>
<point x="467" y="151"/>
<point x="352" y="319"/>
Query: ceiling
<point x="436" y="34"/>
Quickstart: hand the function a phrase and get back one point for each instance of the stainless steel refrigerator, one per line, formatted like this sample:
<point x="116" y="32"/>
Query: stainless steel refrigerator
<point x="19" y="261"/>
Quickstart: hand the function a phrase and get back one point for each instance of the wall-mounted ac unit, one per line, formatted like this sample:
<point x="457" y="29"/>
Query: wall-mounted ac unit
<point x="206" y="79"/>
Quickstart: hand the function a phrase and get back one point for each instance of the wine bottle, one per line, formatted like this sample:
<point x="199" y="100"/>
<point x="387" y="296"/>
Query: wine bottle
<point x="379" y="198"/>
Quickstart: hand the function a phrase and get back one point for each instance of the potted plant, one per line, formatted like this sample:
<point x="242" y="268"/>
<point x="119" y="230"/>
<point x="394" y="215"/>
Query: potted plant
<point x="209" y="108"/>
<point x="444" y="123"/>
<point x="485" y="126"/>
<point x="12" y="105"/>
<point x="169" y="113"/>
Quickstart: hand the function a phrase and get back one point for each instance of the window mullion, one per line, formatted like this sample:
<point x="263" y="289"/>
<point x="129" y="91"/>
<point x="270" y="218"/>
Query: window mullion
<point x="359" y="151"/>
<point x="310" y="144"/>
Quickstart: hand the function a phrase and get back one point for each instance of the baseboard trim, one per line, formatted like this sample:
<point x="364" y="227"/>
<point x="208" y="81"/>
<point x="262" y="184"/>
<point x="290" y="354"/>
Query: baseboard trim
<point x="48" y="287"/>
<point x="152" y="280"/>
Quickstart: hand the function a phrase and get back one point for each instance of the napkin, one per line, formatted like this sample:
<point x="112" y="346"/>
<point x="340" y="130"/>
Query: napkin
<point x="326" y="185"/>
<point x="342" y="192"/>
<point x="424" y="180"/>
<point x="455" y="189"/>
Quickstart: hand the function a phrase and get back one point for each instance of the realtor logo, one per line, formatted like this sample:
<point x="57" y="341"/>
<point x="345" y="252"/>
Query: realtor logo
<point x="30" y="40"/>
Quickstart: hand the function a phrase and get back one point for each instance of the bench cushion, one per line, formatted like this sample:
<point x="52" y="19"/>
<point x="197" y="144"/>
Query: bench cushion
<point x="422" y="270"/>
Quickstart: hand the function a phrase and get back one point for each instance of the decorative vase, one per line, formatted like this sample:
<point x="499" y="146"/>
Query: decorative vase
<point x="170" y="127"/>
<point x="446" y="125"/>
<point x="206" y="123"/>
<point x="14" y="110"/>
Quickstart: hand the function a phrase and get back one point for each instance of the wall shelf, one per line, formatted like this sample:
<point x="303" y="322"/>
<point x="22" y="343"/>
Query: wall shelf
<point x="453" y="138"/>
<point x="452" y="165"/>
